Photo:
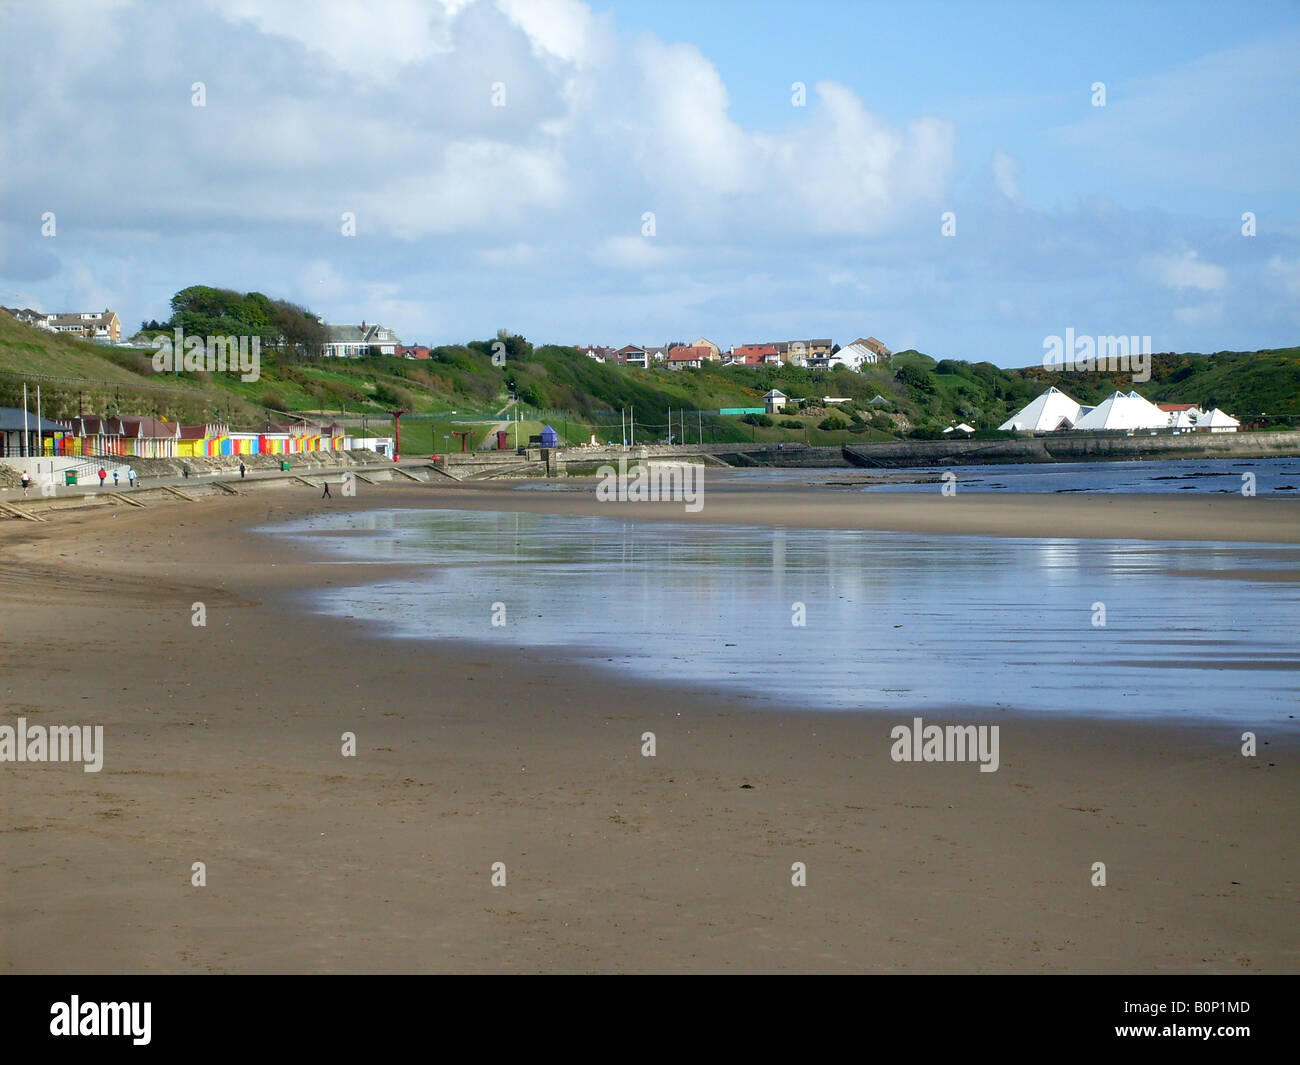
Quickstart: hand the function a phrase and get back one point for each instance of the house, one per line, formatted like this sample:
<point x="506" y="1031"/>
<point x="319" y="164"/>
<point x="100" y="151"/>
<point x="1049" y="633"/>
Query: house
<point x="354" y="341"/>
<point x="631" y="355"/>
<point x="715" y="352"/>
<point x="24" y="314"/>
<point x="752" y="355"/>
<point x="1048" y="413"/>
<point x="412" y="351"/>
<point x="103" y="325"/>
<point x="775" y="401"/>
<point x="862" y="352"/>
<point x="1182" y="416"/>
<point x="596" y="353"/>
<point x="798" y="352"/>
<point x="657" y="354"/>
<point x="689" y="357"/>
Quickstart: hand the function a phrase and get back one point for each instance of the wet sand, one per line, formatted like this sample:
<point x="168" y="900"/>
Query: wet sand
<point x="223" y="746"/>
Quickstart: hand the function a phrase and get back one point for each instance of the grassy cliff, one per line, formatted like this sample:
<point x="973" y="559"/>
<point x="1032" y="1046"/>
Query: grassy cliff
<point x="460" y="384"/>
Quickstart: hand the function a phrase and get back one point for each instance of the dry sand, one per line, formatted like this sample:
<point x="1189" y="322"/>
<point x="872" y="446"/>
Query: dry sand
<point x="223" y="746"/>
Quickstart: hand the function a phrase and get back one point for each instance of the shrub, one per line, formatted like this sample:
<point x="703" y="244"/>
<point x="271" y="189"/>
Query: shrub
<point x="831" y="423"/>
<point x="790" y="423"/>
<point x="758" y="419"/>
<point x="393" y="396"/>
<point x="914" y="378"/>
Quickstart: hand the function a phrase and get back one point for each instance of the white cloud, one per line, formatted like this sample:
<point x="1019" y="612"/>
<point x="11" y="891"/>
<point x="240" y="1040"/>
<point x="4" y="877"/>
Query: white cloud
<point x="370" y="41"/>
<point x="1006" y="171"/>
<point x="631" y="253"/>
<point x="1285" y="272"/>
<point x="1200" y="316"/>
<point x="1186" y="270"/>
<point x="565" y="29"/>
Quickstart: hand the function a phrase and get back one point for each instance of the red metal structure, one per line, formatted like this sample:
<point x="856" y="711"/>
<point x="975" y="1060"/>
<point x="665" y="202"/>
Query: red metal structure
<point x="463" y="435"/>
<point x="397" y="432"/>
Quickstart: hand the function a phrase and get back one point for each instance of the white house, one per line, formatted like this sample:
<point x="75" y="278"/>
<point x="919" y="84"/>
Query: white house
<point x="775" y="401"/>
<point x="865" y="351"/>
<point x="354" y="341"/>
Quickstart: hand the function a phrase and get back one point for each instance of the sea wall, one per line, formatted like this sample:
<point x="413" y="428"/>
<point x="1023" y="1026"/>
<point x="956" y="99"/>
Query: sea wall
<point x="894" y="454"/>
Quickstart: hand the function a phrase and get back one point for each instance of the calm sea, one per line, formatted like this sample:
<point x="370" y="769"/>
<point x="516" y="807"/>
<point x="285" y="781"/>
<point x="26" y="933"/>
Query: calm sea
<point x="848" y="620"/>
<point x="1175" y="475"/>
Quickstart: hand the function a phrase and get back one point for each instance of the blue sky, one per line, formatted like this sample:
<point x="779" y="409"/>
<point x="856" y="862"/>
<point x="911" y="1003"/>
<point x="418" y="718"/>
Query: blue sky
<point x="771" y="221"/>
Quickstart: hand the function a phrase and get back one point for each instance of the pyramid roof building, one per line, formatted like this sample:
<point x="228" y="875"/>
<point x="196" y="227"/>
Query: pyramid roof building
<point x="1051" y="411"/>
<point x="1218" y="421"/>
<point x="1122" y="412"/>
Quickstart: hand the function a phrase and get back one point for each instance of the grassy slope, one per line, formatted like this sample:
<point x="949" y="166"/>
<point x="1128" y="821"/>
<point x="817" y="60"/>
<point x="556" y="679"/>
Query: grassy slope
<point x="463" y="380"/>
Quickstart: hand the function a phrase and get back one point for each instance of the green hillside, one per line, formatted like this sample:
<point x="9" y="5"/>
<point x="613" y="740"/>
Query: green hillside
<point x="459" y="389"/>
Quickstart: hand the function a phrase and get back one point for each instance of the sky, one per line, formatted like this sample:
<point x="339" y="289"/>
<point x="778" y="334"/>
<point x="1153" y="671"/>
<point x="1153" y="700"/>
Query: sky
<point x="967" y="179"/>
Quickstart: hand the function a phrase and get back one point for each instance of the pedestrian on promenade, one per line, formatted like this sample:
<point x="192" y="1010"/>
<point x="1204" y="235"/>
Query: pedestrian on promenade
<point x="114" y="478"/>
<point x="27" y="482"/>
<point x="103" y="476"/>
<point x="326" y="494"/>
<point x="130" y="475"/>
<point x="241" y="471"/>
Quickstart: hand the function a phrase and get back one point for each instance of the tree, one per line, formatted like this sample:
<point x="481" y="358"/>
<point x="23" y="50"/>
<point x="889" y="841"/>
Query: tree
<point x="914" y="378"/>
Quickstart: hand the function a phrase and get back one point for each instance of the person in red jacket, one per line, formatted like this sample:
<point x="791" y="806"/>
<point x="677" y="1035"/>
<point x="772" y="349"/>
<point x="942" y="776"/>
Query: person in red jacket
<point x="103" y="475"/>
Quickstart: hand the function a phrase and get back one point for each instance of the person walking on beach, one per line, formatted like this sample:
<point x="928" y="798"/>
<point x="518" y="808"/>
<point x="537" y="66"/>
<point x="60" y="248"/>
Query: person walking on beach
<point x="241" y="471"/>
<point x="326" y="494"/>
<point x="103" y="476"/>
<point x="27" y="482"/>
<point x="115" y="478"/>
<point x="130" y="475"/>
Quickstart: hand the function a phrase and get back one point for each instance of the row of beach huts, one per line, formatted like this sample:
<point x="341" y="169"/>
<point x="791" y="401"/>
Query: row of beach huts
<point x="25" y="435"/>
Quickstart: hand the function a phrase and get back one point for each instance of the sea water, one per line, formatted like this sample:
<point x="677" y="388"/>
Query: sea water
<point x="847" y="620"/>
<point x="1274" y="475"/>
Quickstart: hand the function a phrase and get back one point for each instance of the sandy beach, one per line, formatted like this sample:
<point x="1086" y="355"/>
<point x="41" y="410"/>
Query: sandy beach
<point x="222" y="746"/>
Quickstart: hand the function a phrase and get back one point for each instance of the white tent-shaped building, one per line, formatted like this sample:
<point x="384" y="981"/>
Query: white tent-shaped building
<point x="1051" y="411"/>
<point x="1217" y="422"/>
<point x="1121" y="412"/>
